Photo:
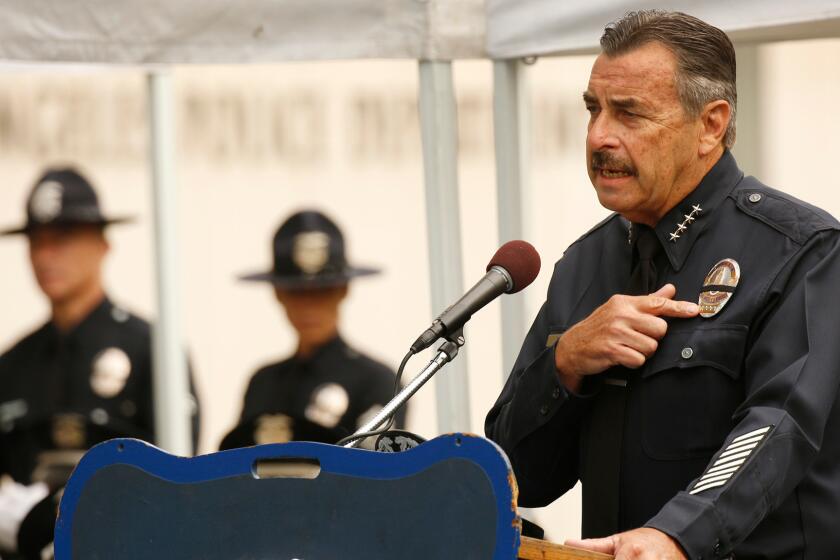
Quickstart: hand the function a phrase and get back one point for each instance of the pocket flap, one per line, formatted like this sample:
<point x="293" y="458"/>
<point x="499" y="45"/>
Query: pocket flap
<point x="717" y="346"/>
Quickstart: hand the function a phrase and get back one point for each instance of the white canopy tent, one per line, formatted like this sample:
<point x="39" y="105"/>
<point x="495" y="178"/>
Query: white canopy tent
<point x="517" y="28"/>
<point x="434" y="32"/>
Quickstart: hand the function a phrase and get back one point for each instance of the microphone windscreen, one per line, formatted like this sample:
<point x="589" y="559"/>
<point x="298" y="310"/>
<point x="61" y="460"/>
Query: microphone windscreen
<point x="521" y="261"/>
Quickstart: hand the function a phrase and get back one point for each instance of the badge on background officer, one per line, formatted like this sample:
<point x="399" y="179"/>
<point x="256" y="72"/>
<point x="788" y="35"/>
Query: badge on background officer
<point x="81" y="378"/>
<point x="327" y="389"/>
<point x="698" y="430"/>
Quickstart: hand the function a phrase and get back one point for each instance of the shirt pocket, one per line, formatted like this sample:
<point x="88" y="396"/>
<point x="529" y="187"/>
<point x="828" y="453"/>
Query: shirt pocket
<point x="689" y="391"/>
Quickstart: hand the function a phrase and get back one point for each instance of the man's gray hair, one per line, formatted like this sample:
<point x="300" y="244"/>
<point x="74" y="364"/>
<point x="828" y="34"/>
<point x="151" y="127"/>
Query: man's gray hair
<point x="705" y="56"/>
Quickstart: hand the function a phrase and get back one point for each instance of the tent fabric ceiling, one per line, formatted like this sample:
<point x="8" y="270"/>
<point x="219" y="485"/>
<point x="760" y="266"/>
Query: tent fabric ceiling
<point x="238" y="31"/>
<point x="518" y="28"/>
<point x="242" y="31"/>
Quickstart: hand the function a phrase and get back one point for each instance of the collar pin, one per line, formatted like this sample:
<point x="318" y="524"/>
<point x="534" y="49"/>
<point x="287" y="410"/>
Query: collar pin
<point x="689" y="218"/>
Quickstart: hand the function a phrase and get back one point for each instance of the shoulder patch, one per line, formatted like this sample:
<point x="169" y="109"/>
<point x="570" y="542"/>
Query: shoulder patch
<point x="786" y="214"/>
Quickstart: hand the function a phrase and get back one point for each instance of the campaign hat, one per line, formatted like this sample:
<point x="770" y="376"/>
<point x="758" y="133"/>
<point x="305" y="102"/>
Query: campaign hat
<point x="62" y="197"/>
<point x="309" y="253"/>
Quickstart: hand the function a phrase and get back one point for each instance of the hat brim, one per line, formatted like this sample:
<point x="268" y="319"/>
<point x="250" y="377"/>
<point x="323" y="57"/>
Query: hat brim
<point x="310" y="282"/>
<point x="28" y="228"/>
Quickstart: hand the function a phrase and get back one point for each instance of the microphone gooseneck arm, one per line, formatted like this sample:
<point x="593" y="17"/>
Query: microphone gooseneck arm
<point x="446" y="353"/>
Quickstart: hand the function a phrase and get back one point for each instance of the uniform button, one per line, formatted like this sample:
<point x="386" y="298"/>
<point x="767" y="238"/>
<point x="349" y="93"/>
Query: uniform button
<point x="754" y="197"/>
<point x="544" y="409"/>
<point x="687" y="353"/>
<point x="119" y="315"/>
<point x="99" y="416"/>
<point x="717" y="548"/>
<point x="556" y="393"/>
<point x="128" y="408"/>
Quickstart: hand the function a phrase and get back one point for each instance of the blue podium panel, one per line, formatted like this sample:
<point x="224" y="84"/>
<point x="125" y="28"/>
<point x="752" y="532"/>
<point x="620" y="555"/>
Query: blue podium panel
<point x="452" y="497"/>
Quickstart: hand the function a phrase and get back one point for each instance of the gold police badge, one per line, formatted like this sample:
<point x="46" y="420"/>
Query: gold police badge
<point x="273" y="428"/>
<point x="68" y="431"/>
<point x="718" y="287"/>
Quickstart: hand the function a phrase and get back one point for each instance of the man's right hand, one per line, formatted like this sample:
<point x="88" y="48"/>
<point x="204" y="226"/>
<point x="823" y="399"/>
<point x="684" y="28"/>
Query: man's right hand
<point x="624" y="331"/>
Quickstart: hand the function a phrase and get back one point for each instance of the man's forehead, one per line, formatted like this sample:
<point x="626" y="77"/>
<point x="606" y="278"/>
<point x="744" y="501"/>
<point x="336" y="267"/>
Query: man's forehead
<point x="65" y="231"/>
<point x="642" y="72"/>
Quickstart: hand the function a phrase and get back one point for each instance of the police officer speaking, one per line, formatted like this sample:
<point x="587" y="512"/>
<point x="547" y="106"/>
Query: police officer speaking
<point x="81" y="378"/>
<point x="327" y="389"/>
<point x="685" y="365"/>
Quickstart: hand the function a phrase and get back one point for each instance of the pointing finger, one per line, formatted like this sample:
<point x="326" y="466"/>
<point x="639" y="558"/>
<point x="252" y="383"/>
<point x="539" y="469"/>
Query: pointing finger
<point x="666" y="291"/>
<point x="664" y="307"/>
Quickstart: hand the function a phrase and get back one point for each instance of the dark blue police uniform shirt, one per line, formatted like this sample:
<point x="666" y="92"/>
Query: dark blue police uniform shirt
<point x="322" y="398"/>
<point x="731" y="436"/>
<point x="69" y="391"/>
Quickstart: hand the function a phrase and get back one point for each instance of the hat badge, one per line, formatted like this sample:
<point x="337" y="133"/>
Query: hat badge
<point x="311" y="251"/>
<point x="718" y="287"/>
<point x="45" y="204"/>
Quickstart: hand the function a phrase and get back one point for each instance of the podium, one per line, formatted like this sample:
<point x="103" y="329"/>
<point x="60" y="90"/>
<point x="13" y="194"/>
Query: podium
<point x="451" y="497"/>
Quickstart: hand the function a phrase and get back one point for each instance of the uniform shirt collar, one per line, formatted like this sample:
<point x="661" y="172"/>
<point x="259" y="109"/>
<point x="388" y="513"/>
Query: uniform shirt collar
<point x="327" y="349"/>
<point x="102" y="309"/>
<point x="685" y="222"/>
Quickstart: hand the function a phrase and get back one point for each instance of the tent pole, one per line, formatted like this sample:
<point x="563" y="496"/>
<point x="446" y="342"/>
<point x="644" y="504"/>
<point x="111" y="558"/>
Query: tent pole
<point x="170" y="382"/>
<point x="439" y="131"/>
<point x="748" y="147"/>
<point x="511" y="134"/>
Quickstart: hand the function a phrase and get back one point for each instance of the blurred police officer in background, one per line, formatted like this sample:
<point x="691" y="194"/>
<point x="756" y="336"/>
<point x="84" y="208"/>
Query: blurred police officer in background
<point x="327" y="389"/>
<point x="80" y="379"/>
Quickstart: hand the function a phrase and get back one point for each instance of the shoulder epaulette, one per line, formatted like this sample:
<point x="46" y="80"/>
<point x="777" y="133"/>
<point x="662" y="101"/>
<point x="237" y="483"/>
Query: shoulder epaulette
<point x="786" y="214"/>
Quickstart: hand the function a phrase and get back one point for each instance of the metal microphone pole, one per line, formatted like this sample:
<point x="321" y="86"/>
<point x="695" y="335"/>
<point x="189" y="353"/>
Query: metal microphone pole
<point x="445" y="354"/>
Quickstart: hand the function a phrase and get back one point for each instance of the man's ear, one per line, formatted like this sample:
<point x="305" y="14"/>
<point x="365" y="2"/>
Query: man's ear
<point x="105" y="245"/>
<point x="714" y="120"/>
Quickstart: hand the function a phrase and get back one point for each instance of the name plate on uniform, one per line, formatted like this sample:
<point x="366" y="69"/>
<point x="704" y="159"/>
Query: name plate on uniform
<point x="452" y="497"/>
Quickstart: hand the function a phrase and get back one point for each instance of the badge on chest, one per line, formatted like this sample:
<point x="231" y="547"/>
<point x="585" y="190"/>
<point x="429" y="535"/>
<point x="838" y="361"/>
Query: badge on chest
<point x="718" y="287"/>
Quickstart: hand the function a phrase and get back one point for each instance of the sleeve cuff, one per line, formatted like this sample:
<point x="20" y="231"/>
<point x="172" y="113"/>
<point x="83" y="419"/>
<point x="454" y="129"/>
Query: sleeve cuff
<point x="540" y="395"/>
<point x="694" y="524"/>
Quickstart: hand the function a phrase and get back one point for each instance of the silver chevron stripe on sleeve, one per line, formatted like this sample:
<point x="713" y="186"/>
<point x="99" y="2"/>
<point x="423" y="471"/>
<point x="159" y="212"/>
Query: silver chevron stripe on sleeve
<point x="730" y="460"/>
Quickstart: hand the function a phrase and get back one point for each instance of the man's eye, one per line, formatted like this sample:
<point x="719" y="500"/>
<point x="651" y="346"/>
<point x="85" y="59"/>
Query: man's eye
<point x="591" y="108"/>
<point x="628" y="114"/>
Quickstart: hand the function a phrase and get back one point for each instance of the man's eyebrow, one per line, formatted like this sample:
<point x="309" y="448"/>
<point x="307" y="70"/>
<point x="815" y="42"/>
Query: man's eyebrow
<point x="626" y="103"/>
<point x="588" y="98"/>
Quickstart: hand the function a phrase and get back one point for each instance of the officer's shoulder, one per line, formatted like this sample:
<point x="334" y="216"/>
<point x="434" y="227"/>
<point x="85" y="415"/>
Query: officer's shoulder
<point x="26" y="345"/>
<point x="121" y="318"/>
<point x="365" y="363"/>
<point x="614" y="220"/>
<point x="269" y="371"/>
<point x="794" y="218"/>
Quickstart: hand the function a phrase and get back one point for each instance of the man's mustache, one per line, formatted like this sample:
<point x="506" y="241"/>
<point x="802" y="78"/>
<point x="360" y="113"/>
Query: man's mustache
<point x="606" y="160"/>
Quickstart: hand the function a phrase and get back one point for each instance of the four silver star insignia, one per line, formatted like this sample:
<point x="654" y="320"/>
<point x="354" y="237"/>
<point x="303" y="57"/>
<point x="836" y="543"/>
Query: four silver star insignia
<point x="689" y="218"/>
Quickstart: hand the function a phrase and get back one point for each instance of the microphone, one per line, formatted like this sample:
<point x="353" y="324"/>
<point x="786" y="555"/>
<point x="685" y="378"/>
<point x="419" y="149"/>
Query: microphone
<point x="514" y="266"/>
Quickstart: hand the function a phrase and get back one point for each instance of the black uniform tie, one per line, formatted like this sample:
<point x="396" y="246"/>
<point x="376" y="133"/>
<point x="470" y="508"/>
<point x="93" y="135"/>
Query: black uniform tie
<point x="602" y="460"/>
<point x="645" y="249"/>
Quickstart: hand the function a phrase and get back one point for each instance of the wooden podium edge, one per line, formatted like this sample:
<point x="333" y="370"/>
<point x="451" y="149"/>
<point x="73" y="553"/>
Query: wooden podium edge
<point x="535" y="549"/>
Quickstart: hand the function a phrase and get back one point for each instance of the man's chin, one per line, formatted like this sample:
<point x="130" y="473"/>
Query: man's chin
<point x="615" y="200"/>
<point x="54" y="291"/>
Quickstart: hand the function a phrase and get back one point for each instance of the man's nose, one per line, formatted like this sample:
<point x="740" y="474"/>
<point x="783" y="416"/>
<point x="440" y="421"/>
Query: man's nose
<point x="602" y="133"/>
